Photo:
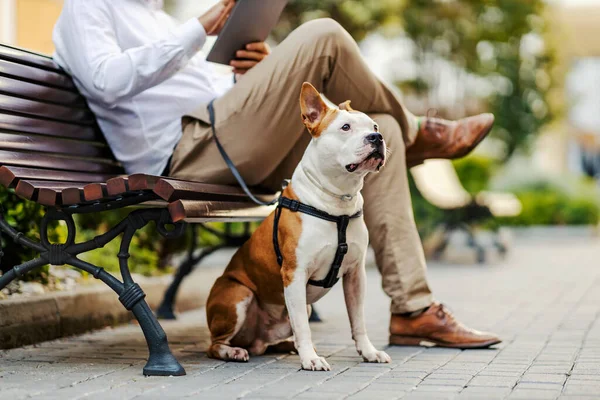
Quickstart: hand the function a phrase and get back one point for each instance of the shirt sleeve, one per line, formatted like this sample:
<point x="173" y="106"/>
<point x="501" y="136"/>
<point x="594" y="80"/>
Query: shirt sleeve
<point x="111" y="74"/>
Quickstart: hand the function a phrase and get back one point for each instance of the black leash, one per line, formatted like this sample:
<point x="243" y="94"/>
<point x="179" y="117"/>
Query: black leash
<point x="234" y="170"/>
<point x="341" y="221"/>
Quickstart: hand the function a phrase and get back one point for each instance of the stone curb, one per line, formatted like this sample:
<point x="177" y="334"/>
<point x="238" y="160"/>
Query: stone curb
<point x="29" y="320"/>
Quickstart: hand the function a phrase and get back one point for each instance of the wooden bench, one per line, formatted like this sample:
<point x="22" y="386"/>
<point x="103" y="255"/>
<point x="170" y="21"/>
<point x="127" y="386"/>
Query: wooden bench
<point x="53" y="153"/>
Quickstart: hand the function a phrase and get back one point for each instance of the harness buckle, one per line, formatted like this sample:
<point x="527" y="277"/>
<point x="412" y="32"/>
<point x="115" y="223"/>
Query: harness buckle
<point x="343" y="248"/>
<point x="294" y="205"/>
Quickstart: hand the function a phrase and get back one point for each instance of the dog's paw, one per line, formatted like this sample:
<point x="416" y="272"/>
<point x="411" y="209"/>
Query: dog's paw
<point x="316" y="364"/>
<point x="238" y="354"/>
<point x="377" y="357"/>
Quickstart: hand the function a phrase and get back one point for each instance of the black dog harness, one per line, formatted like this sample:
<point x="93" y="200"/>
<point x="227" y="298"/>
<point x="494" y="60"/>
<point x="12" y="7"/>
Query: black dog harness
<point x="294" y="206"/>
<point x="342" y="247"/>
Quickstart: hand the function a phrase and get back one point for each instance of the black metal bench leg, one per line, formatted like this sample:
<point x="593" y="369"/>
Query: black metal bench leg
<point x="167" y="306"/>
<point x="161" y="361"/>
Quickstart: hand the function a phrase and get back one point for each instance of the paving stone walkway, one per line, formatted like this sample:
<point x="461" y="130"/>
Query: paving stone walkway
<point x="544" y="300"/>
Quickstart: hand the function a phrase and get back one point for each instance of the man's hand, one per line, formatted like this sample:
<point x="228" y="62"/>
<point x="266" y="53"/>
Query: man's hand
<point x="214" y="19"/>
<point x="248" y="58"/>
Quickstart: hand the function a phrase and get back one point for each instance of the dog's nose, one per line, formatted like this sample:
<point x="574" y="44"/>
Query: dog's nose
<point x="374" y="138"/>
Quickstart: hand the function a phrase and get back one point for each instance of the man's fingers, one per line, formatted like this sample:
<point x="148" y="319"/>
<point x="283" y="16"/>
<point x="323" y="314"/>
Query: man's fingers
<point x="225" y="11"/>
<point x="239" y="71"/>
<point x="250" y="55"/>
<point x="243" y="64"/>
<point x="260" y="47"/>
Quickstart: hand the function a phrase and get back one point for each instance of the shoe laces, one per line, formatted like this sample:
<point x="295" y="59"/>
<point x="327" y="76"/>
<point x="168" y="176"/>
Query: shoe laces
<point x="443" y="311"/>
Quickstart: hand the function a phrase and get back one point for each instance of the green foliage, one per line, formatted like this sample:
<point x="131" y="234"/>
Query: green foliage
<point x="25" y="217"/>
<point x="475" y="172"/>
<point x="552" y="207"/>
<point x="358" y="17"/>
<point x="563" y="201"/>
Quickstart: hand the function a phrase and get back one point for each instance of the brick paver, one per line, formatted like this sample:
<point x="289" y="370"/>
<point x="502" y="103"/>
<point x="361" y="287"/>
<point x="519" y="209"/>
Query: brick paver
<point x="544" y="301"/>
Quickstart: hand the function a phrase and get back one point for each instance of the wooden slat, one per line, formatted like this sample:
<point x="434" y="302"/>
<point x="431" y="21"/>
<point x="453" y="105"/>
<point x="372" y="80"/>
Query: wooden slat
<point x="72" y="195"/>
<point x="142" y="181"/>
<point x="55" y="112"/>
<point x="94" y="191"/>
<point x="205" y="211"/>
<point x="9" y="175"/>
<point x="29" y="58"/>
<point x="46" y="144"/>
<point x="44" y="192"/>
<point x="33" y="160"/>
<point x="36" y="75"/>
<point x="41" y="126"/>
<point x="13" y="87"/>
<point x="117" y="186"/>
<point x="171" y="190"/>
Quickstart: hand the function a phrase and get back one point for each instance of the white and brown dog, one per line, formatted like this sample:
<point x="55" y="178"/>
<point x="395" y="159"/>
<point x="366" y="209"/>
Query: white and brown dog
<point x="258" y="303"/>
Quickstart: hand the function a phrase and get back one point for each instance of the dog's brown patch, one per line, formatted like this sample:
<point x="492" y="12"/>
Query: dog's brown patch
<point x="314" y="110"/>
<point x="254" y="272"/>
<point x="324" y="124"/>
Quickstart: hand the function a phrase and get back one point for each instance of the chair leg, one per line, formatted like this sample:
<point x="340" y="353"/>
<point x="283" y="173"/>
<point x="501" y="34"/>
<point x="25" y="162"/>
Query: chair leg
<point x="472" y="243"/>
<point x="439" y="250"/>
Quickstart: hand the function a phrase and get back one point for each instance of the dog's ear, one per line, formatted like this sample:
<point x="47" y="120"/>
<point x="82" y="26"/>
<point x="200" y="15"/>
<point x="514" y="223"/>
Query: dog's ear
<point x="312" y="106"/>
<point x="345" y="106"/>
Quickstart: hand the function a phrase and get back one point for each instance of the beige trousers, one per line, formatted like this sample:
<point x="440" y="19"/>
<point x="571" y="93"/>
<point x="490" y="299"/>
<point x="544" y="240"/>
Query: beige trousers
<point x="258" y="123"/>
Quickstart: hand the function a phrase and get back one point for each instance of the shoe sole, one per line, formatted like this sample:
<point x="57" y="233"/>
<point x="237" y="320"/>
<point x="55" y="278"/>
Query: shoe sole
<point x="397" y="340"/>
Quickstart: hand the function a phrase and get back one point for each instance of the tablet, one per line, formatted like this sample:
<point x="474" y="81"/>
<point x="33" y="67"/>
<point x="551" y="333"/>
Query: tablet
<point x="249" y="21"/>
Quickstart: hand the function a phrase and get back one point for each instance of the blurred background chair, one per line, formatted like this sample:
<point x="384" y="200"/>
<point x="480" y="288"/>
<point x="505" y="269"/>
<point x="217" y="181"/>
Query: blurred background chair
<point x="438" y="183"/>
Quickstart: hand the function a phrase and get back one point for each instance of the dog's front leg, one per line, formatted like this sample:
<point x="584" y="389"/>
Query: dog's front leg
<point x="354" y="293"/>
<point x="295" y="301"/>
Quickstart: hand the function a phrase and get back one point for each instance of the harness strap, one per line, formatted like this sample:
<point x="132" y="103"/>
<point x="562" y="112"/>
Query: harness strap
<point x="342" y="224"/>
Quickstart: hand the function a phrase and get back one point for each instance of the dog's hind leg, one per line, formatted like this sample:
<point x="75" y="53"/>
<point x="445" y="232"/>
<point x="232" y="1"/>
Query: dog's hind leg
<point x="227" y="310"/>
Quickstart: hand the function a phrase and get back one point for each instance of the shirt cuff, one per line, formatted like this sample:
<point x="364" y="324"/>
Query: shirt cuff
<point x="191" y="36"/>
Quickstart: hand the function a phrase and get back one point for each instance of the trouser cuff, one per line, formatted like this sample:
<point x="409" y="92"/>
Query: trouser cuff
<point x="412" y="305"/>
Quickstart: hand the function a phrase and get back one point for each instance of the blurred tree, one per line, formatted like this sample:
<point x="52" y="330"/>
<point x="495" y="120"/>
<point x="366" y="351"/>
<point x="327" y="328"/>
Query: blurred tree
<point x="499" y="44"/>
<point x="359" y="17"/>
<point x="502" y="41"/>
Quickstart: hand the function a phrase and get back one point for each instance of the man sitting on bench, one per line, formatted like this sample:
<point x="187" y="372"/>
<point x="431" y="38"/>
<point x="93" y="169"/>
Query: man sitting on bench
<point x="149" y="86"/>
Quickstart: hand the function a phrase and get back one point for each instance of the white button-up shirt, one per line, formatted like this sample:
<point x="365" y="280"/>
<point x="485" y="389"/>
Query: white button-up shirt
<point x="140" y="71"/>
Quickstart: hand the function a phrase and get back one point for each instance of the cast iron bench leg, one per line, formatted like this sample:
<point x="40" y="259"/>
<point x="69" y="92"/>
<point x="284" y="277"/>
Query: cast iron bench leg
<point x="161" y="361"/>
<point x="167" y="306"/>
<point x="228" y="239"/>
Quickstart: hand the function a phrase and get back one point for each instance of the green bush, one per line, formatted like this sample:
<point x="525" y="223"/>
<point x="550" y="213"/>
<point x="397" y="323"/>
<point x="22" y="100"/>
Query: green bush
<point x="559" y="201"/>
<point x="475" y="172"/>
<point x="551" y="207"/>
<point x="24" y="216"/>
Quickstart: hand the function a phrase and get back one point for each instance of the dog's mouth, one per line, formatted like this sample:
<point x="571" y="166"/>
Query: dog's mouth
<point x="375" y="160"/>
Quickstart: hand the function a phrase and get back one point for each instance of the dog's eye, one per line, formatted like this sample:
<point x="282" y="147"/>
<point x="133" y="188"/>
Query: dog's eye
<point x="376" y="128"/>
<point x="346" y="127"/>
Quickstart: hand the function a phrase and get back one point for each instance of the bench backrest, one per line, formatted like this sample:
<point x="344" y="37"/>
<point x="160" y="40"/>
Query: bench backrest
<point x="46" y="124"/>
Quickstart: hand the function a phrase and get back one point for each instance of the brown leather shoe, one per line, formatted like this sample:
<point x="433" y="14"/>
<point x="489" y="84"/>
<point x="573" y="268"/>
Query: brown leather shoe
<point x="437" y="326"/>
<point x="440" y="138"/>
